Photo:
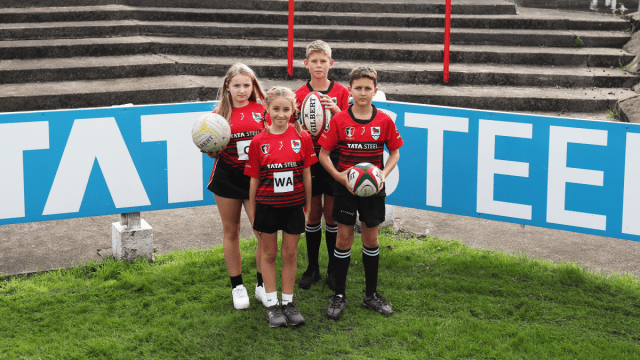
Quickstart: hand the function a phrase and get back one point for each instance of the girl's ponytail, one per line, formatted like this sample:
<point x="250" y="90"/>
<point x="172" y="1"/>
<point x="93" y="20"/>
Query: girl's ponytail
<point x="267" y="128"/>
<point x="298" y="127"/>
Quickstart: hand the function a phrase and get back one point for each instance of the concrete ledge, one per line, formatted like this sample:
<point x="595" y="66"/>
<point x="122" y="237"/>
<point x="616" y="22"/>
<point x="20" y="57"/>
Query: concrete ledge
<point x="141" y="66"/>
<point x="584" y="5"/>
<point x="366" y="6"/>
<point x="629" y="110"/>
<point x="171" y="89"/>
<point x="505" y="37"/>
<point x="269" y="49"/>
<point x="523" y="20"/>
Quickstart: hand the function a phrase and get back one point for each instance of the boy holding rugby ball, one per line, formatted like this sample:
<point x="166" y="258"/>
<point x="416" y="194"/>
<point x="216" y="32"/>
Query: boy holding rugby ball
<point x="360" y="133"/>
<point x="335" y="98"/>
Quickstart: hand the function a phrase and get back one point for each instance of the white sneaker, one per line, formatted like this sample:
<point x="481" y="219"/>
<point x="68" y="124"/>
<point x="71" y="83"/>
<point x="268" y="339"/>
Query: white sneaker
<point x="240" y="297"/>
<point x="261" y="295"/>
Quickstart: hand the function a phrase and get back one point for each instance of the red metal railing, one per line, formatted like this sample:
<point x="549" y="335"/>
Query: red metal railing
<point x="447" y="38"/>
<point x="290" y="48"/>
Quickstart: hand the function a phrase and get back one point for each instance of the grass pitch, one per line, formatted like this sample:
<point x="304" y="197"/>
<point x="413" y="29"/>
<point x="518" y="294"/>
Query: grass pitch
<point x="451" y="301"/>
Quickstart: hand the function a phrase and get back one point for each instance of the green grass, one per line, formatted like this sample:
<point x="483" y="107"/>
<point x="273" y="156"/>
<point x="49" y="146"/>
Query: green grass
<point x="577" y="41"/>
<point x="624" y="67"/>
<point x="451" y="301"/>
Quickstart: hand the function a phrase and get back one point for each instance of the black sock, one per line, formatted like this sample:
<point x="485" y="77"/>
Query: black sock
<point x="370" y="260"/>
<point x="259" y="276"/>
<point x="236" y="280"/>
<point x="314" y="237"/>
<point x="330" y="235"/>
<point x="342" y="260"/>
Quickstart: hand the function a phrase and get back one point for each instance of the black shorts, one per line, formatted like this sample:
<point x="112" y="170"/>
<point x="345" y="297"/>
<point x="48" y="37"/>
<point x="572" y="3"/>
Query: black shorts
<point x="321" y="181"/>
<point x="346" y="205"/>
<point x="269" y="219"/>
<point x="229" y="182"/>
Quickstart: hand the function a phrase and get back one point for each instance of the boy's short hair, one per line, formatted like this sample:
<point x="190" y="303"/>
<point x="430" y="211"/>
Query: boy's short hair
<point x="364" y="72"/>
<point x="319" y="46"/>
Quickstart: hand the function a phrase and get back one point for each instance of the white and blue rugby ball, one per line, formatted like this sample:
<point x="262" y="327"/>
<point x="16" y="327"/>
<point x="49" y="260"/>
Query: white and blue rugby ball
<point x="211" y="132"/>
<point x="313" y="115"/>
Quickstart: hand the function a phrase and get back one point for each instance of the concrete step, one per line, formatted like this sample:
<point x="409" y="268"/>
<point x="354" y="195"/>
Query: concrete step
<point x="366" y="6"/>
<point x="420" y="53"/>
<point x="505" y="37"/>
<point x="171" y="89"/>
<point x="503" y="98"/>
<point x="117" y="12"/>
<point x="60" y="48"/>
<point x="137" y="66"/>
<point x="580" y="5"/>
<point x="83" y="94"/>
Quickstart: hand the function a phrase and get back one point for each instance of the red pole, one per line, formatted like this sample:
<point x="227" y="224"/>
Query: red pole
<point x="447" y="40"/>
<point x="290" y="50"/>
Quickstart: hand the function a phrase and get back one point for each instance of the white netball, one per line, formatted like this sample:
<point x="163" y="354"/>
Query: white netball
<point x="211" y="132"/>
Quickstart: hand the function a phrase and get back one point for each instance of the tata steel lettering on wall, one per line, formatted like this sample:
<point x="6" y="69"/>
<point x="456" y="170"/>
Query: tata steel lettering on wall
<point x="567" y="174"/>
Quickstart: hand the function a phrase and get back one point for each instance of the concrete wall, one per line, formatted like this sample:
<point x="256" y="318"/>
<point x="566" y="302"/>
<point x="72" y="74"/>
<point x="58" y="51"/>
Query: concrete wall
<point x="587" y="5"/>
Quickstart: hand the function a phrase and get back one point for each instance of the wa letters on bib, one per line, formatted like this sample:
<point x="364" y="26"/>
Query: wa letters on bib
<point x="283" y="182"/>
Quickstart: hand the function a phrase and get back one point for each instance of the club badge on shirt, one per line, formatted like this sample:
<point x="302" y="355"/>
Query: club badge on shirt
<point x="375" y="132"/>
<point x="350" y="131"/>
<point x="257" y="117"/>
<point x="295" y="146"/>
<point x="264" y="148"/>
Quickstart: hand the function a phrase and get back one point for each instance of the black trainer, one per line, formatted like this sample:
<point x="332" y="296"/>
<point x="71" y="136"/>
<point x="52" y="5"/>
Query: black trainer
<point x="275" y="316"/>
<point x="338" y="303"/>
<point x="309" y="277"/>
<point x="330" y="281"/>
<point x="377" y="303"/>
<point x="294" y="318"/>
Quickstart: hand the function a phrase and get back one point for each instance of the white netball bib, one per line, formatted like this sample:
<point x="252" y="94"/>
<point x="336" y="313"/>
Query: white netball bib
<point x="243" y="149"/>
<point x="283" y="182"/>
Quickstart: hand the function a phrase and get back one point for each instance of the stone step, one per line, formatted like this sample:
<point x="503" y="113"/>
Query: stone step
<point x="421" y="53"/>
<point x="137" y="66"/>
<point x="505" y="37"/>
<point x="341" y="6"/>
<point x="503" y="98"/>
<point x="581" y="5"/>
<point x="172" y="89"/>
<point x="116" y="12"/>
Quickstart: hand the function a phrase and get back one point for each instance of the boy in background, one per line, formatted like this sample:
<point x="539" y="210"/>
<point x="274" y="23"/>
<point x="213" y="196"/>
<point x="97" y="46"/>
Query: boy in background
<point x="334" y="98"/>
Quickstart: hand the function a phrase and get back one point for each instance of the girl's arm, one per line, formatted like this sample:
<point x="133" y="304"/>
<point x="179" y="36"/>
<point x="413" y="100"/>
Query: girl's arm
<point x="392" y="161"/>
<point x="253" y="187"/>
<point x="306" y="180"/>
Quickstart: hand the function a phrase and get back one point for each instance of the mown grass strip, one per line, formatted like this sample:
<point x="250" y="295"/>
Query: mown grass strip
<point x="450" y="301"/>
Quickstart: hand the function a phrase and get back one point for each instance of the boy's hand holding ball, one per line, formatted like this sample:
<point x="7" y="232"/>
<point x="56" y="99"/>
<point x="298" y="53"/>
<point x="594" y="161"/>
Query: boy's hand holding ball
<point x="328" y="103"/>
<point x="344" y="179"/>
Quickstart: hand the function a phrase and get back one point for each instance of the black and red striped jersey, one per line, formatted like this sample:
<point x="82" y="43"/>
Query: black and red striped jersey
<point x="278" y="161"/>
<point x="361" y="140"/>
<point x="245" y="123"/>
<point x="336" y="91"/>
